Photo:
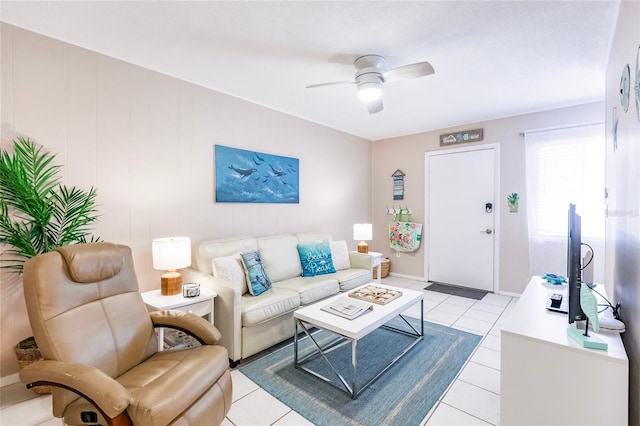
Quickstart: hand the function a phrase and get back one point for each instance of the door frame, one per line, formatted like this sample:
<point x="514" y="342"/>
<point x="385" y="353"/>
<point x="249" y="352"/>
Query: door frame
<point x="497" y="204"/>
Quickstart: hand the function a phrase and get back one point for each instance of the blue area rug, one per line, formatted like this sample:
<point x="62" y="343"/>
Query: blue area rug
<point x="403" y="395"/>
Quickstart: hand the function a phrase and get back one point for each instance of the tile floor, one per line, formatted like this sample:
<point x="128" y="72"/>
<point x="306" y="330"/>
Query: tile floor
<point x="472" y="399"/>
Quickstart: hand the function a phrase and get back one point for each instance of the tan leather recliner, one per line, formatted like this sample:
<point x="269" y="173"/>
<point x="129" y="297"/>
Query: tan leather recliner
<point x="100" y="349"/>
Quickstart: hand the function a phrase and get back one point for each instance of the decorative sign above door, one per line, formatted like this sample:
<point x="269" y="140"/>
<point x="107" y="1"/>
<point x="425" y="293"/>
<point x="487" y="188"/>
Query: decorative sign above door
<point x="475" y="135"/>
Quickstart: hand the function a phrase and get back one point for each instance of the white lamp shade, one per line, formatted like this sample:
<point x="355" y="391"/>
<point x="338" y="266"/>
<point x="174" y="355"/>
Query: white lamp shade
<point x="171" y="253"/>
<point x="362" y="232"/>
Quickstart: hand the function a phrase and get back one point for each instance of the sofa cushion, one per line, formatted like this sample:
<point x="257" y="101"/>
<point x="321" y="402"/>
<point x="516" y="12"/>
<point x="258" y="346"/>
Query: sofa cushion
<point x="352" y="278"/>
<point x="257" y="279"/>
<point x="269" y="305"/>
<point x="230" y="268"/>
<point x="280" y="257"/>
<point x="210" y="249"/>
<point x="340" y="255"/>
<point x="315" y="259"/>
<point x="311" y="289"/>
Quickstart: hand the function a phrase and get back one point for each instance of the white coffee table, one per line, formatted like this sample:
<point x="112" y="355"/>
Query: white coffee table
<point x="349" y="331"/>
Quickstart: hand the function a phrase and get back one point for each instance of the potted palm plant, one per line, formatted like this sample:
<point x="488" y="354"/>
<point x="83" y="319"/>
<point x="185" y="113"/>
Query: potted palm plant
<point x="38" y="214"/>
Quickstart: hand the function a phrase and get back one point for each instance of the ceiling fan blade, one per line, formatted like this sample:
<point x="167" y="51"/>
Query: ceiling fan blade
<point x="333" y="83"/>
<point x="405" y="72"/>
<point x="375" y="106"/>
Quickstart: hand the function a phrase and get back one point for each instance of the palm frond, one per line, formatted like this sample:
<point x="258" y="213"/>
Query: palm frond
<point x="21" y="238"/>
<point x="24" y="183"/>
<point x="75" y="210"/>
<point x="41" y="173"/>
<point x="37" y="213"/>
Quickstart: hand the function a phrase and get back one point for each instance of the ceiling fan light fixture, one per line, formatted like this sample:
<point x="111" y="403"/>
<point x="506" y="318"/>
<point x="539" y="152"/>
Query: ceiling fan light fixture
<point x="370" y="91"/>
<point x="371" y="74"/>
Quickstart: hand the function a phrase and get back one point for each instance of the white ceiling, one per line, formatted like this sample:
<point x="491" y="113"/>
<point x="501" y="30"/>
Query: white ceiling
<point x="492" y="58"/>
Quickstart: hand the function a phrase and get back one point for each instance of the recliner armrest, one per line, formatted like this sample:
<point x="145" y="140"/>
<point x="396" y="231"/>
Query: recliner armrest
<point x="91" y="383"/>
<point x="196" y="326"/>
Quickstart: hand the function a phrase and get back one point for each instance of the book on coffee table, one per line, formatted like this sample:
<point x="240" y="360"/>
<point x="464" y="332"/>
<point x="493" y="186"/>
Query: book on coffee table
<point x="348" y="308"/>
<point x="375" y="294"/>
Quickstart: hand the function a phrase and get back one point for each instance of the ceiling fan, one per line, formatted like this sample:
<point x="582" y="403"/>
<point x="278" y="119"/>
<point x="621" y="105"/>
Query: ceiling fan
<point x="371" y="75"/>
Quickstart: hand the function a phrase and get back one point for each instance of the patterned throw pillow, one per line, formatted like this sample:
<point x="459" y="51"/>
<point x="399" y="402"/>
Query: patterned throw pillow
<point x="340" y="255"/>
<point x="316" y="259"/>
<point x="257" y="277"/>
<point x="230" y="269"/>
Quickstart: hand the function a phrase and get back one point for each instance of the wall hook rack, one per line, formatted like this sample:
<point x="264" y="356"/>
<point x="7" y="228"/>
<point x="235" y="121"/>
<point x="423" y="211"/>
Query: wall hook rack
<point x="399" y="212"/>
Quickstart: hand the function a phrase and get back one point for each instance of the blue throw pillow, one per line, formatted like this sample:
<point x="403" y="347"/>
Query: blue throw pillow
<point x="257" y="277"/>
<point x="316" y="259"/>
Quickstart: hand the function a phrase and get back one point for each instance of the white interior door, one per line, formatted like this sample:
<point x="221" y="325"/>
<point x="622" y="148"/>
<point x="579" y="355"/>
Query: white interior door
<point x="460" y="224"/>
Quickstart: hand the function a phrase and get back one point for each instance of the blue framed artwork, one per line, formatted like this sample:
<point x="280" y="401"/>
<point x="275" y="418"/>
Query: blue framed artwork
<point x="255" y="177"/>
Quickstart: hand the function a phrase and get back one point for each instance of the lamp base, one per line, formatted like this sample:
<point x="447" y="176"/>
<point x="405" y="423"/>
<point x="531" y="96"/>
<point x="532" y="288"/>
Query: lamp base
<point x="363" y="247"/>
<point x="171" y="283"/>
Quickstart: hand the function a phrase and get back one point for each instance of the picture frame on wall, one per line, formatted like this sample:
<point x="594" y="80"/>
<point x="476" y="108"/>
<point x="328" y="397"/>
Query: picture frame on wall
<point x="244" y="176"/>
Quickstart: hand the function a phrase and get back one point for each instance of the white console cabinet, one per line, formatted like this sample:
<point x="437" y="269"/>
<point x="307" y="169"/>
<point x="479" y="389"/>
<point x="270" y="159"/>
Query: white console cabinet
<point x="548" y="379"/>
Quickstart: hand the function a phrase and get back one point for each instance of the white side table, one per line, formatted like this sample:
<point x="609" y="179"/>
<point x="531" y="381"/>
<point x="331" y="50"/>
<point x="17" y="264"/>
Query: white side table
<point x="200" y="305"/>
<point x="376" y="262"/>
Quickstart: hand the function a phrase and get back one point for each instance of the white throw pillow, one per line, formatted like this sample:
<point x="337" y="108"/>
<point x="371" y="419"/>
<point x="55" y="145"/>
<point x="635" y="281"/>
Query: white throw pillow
<point x="340" y="255"/>
<point x="231" y="269"/>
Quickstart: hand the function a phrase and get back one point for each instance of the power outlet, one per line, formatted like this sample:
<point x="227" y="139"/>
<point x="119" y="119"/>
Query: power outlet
<point x="397" y="254"/>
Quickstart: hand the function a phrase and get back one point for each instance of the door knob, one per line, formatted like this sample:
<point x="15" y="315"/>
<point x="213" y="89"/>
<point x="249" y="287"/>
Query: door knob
<point x="487" y="231"/>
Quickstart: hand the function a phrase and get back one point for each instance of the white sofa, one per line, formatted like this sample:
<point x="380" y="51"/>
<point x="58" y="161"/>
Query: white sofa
<point x="250" y="324"/>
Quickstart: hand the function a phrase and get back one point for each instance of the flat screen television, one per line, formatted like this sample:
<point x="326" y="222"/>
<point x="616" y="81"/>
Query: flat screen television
<point x="574" y="266"/>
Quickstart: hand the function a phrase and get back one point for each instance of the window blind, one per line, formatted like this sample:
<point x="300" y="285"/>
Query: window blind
<point x="566" y="166"/>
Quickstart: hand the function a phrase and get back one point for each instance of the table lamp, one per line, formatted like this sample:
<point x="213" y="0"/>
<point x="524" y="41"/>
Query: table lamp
<point x="170" y="254"/>
<point x="362" y="232"/>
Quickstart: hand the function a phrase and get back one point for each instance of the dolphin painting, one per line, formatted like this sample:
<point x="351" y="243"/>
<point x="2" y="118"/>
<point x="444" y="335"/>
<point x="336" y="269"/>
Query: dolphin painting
<point x="277" y="172"/>
<point x="248" y="176"/>
<point x="243" y="172"/>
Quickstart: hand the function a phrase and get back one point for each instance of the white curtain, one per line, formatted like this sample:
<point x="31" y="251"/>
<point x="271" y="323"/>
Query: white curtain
<point x="565" y="166"/>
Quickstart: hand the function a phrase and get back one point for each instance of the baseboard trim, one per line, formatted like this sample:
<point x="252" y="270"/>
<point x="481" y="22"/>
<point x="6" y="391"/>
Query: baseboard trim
<point x="9" y="380"/>
<point x="408" y="277"/>
<point x="508" y="293"/>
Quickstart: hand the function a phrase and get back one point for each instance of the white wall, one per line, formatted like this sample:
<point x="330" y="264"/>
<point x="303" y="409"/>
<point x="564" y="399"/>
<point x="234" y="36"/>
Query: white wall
<point x="145" y="141"/>
<point x="623" y="183"/>
<point x="407" y="153"/>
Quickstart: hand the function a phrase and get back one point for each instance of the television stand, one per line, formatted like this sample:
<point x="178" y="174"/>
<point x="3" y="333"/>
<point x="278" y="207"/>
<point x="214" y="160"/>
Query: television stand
<point x="548" y="379"/>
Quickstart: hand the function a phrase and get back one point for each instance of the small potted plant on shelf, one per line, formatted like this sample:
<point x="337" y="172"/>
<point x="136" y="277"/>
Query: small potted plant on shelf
<point x="512" y="201"/>
<point x="38" y="214"/>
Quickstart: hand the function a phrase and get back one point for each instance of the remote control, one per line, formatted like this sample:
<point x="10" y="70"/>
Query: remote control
<point x="556" y="300"/>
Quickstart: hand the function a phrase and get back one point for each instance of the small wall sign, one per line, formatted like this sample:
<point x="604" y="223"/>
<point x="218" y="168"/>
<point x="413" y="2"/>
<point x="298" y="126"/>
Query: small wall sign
<point x="398" y="185"/>
<point x="475" y="135"/>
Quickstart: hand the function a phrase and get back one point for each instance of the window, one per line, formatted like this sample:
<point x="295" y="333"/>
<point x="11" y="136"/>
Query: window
<point x="566" y="166"/>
